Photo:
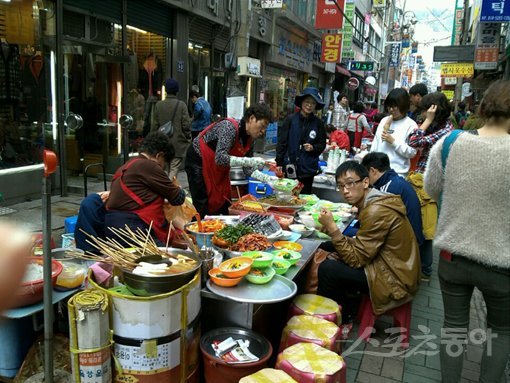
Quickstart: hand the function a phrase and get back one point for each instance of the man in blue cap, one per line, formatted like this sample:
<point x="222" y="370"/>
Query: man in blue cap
<point x="302" y="139"/>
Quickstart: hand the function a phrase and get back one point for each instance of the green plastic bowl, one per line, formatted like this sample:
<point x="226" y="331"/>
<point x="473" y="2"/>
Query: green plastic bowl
<point x="252" y="276"/>
<point x="261" y="259"/>
<point x="280" y="265"/>
<point x="287" y="255"/>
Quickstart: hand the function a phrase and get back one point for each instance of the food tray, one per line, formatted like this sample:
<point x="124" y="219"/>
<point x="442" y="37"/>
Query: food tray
<point x="279" y="289"/>
<point x="263" y="224"/>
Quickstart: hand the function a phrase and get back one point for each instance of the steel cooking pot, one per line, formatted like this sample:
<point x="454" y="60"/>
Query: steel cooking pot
<point x="237" y="174"/>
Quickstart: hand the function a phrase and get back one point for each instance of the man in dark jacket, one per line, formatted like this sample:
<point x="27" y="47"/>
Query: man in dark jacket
<point x="383" y="258"/>
<point x="385" y="179"/>
<point x="302" y="139"/>
<point x="175" y="110"/>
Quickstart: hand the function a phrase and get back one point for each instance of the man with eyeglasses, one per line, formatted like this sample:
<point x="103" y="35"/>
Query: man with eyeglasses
<point x="382" y="260"/>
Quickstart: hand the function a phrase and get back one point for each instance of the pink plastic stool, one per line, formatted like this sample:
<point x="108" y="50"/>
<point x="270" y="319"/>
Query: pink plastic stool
<point x="401" y="318"/>
<point x="310" y="329"/>
<point x="317" y="306"/>
<point x="310" y="363"/>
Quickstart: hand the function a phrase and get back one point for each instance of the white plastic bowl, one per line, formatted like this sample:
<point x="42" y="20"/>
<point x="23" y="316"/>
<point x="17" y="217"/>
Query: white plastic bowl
<point x="301" y="229"/>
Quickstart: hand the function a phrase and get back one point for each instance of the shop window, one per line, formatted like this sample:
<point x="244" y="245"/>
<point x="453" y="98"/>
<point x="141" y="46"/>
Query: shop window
<point x="25" y="94"/>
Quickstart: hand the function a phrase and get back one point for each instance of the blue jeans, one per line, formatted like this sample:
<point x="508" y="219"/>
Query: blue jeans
<point x="458" y="278"/>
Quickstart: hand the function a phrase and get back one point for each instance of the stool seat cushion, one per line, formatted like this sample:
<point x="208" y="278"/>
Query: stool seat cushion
<point x="268" y="375"/>
<point x="310" y="363"/>
<point x="307" y="328"/>
<point x="318" y="306"/>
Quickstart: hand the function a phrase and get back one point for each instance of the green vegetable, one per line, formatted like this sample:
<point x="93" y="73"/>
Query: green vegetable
<point x="231" y="234"/>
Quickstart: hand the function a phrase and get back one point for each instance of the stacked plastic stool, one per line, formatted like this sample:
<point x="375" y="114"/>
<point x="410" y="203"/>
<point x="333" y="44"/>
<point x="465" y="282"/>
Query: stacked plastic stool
<point x="317" y="306"/>
<point x="311" y="363"/>
<point x="310" y="329"/>
<point x="268" y="375"/>
<point x="401" y="318"/>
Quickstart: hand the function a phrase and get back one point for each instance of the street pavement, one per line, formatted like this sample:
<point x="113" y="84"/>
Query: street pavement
<point x="374" y="362"/>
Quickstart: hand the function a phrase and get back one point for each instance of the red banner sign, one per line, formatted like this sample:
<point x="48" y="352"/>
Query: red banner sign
<point x="331" y="48"/>
<point x="328" y="16"/>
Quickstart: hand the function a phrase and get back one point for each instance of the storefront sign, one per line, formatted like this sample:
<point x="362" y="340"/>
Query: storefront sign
<point x="271" y="3"/>
<point x="292" y="51"/>
<point x="353" y="83"/>
<point x="487" y="46"/>
<point x="496" y="11"/>
<point x="395" y="54"/>
<point x="361" y="65"/>
<point x="457" y="24"/>
<point x="347" y="51"/>
<point x="327" y="15"/>
<point x="450" y="80"/>
<point x="379" y="3"/>
<point x="261" y="27"/>
<point x="331" y="47"/>
<point x="457" y="70"/>
<point x="449" y="94"/>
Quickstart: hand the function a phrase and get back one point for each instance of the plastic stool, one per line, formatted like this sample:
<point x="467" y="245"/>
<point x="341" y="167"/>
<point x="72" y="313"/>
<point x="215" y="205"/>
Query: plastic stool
<point x="310" y="329"/>
<point x="310" y="363"/>
<point x="70" y="224"/>
<point x="317" y="306"/>
<point x="401" y="318"/>
<point x="268" y="375"/>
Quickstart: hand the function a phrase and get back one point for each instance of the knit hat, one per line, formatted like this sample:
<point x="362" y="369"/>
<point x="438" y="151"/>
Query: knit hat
<point x="171" y="86"/>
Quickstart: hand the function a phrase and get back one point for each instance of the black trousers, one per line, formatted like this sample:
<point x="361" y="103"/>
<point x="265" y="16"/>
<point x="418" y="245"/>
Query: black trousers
<point x="342" y="283"/>
<point x="307" y="184"/>
<point x="196" y="183"/>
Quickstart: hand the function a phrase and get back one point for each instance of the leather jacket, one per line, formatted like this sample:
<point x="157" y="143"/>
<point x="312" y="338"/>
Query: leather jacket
<point x="385" y="246"/>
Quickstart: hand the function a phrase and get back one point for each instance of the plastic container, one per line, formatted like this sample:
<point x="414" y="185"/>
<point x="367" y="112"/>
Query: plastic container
<point x="281" y="266"/>
<point x="260" y="276"/>
<point x="223" y="282"/>
<point x="259" y="189"/>
<point x="16" y="337"/>
<point x="261" y="259"/>
<point x="70" y="224"/>
<point x="68" y="241"/>
<point x="72" y="275"/>
<point x="216" y="370"/>
<point x="236" y="267"/>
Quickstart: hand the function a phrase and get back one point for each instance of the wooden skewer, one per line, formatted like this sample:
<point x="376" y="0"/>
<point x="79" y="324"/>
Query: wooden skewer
<point x="168" y="237"/>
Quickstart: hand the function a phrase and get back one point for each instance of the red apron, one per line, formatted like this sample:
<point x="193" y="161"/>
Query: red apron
<point x="217" y="178"/>
<point x="151" y="212"/>
<point x="358" y="133"/>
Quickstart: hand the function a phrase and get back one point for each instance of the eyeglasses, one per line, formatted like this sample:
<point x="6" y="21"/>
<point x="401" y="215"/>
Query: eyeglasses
<point x="348" y="185"/>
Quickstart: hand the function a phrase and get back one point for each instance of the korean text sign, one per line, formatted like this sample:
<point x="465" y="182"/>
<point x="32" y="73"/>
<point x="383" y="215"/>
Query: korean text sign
<point x="331" y="47"/>
<point x="328" y="16"/>
<point x="457" y="70"/>
<point x="496" y="11"/>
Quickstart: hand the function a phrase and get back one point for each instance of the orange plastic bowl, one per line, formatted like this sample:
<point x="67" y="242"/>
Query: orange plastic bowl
<point x="288" y="245"/>
<point x="31" y="292"/>
<point x="221" y="279"/>
<point x="236" y="267"/>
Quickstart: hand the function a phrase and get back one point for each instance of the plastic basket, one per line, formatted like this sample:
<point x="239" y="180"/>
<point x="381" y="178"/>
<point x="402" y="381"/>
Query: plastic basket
<point x="68" y="240"/>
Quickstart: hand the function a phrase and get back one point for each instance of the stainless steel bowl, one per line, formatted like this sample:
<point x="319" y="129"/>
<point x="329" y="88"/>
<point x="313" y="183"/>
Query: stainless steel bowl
<point x="147" y="286"/>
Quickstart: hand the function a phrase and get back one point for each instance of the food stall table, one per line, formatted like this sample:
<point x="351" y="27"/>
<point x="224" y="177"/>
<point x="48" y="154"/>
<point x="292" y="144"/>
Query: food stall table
<point x="220" y="311"/>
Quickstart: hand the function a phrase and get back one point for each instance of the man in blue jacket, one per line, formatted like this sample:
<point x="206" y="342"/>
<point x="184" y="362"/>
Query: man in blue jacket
<point x="385" y="179"/>
<point x="201" y="113"/>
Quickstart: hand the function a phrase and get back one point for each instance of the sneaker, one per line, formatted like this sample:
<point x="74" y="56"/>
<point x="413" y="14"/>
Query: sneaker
<point x="425" y="277"/>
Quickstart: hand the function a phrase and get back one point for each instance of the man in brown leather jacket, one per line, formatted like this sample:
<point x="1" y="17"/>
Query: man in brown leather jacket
<point x="383" y="259"/>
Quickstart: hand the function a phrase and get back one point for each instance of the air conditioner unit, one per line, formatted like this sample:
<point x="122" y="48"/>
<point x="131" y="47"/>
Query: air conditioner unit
<point x="248" y="66"/>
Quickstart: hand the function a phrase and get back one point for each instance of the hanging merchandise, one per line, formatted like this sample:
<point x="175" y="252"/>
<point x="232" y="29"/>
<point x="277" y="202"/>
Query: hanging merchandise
<point x="90" y="338"/>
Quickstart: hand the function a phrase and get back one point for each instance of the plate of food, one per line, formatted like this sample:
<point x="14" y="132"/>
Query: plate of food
<point x="292" y="203"/>
<point x="288" y="245"/>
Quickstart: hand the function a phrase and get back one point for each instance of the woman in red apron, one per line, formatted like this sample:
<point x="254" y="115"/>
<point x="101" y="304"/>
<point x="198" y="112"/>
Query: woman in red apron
<point x="223" y="144"/>
<point x="356" y="123"/>
<point x="139" y="188"/>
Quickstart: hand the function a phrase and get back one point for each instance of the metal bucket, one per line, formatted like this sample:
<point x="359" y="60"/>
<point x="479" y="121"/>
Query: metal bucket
<point x="156" y="339"/>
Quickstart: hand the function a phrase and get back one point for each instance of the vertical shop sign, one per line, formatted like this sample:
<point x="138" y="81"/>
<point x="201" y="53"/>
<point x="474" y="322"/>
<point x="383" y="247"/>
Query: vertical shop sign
<point x="347" y="51"/>
<point x="328" y="16"/>
<point x="395" y="54"/>
<point x="496" y="11"/>
<point x="487" y="46"/>
<point x="457" y="23"/>
<point x="331" y="47"/>
<point x="379" y="3"/>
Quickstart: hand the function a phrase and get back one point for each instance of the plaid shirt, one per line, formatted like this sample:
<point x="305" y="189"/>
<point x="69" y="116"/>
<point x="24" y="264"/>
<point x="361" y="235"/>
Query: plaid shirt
<point x="420" y="140"/>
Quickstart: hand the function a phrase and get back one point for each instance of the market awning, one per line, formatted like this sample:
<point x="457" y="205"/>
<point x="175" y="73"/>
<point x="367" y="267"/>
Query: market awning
<point x="342" y="70"/>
